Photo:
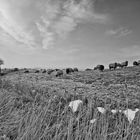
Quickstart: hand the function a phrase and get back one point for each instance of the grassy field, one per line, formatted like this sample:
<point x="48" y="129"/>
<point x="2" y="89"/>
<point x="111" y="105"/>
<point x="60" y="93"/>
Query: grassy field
<point x="35" y="106"/>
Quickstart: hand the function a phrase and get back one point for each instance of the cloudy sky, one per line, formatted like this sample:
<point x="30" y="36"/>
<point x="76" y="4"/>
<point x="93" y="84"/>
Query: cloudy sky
<point x="68" y="33"/>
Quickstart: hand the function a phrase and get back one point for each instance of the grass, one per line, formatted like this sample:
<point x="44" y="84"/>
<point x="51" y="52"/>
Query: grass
<point x="35" y="106"/>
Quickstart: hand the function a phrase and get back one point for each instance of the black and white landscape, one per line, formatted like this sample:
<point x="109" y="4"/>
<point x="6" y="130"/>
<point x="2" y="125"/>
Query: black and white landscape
<point x="69" y="70"/>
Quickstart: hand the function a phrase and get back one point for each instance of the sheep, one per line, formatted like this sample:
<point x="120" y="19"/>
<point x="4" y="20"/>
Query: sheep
<point x="99" y="67"/>
<point x="124" y="64"/>
<point x="59" y="73"/>
<point x="69" y="70"/>
<point x="75" y="69"/>
<point x="135" y="63"/>
<point x="49" y="71"/>
<point x="113" y="66"/>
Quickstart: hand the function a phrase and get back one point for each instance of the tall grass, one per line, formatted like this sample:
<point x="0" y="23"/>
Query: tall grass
<point x="29" y="112"/>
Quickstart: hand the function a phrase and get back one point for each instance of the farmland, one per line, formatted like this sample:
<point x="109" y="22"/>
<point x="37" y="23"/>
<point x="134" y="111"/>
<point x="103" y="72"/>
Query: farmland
<point x="35" y="106"/>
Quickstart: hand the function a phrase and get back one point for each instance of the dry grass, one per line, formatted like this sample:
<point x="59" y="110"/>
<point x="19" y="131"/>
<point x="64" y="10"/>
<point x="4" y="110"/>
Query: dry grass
<point x="35" y="106"/>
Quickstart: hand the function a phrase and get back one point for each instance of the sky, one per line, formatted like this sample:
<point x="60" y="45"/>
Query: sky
<point x="69" y="33"/>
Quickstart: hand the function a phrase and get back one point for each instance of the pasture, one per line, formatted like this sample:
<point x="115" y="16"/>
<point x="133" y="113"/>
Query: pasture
<point x="35" y="106"/>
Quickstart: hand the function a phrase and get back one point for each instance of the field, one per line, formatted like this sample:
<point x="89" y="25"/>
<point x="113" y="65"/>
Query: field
<point x="35" y="106"/>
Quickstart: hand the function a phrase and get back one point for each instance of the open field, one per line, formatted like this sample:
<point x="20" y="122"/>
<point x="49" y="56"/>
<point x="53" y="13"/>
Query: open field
<point x="35" y="106"/>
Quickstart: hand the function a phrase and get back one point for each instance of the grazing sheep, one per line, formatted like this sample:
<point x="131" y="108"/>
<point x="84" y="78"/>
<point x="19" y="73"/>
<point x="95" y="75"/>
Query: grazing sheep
<point x="95" y="68"/>
<point x="88" y="69"/>
<point x="75" y="69"/>
<point x="15" y="69"/>
<point x="135" y="63"/>
<point x="138" y="62"/>
<point x="124" y="64"/>
<point x="69" y="70"/>
<point x="113" y="66"/>
<point x="99" y="67"/>
<point x="37" y="71"/>
<point x="59" y="73"/>
<point x="44" y="71"/>
<point x="75" y="104"/>
<point x="26" y="71"/>
<point x="119" y="65"/>
<point x="130" y="114"/>
<point x="49" y="71"/>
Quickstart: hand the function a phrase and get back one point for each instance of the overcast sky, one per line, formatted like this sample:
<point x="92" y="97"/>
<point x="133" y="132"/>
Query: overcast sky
<point x="69" y="33"/>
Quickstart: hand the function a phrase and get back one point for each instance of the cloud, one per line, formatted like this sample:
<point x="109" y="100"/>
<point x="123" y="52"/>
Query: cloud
<point x="41" y="23"/>
<point x="64" y="26"/>
<point x="119" y="32"/>
<point x="47" y="37"/>
<point x="63" y="17"/>
<point x="15" y="31"/>
<point x="13" y="45"/>
<point x="84" y="10"/>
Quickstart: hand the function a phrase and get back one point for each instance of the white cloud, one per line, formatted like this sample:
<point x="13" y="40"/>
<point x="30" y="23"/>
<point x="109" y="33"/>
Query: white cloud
<point x="9" y="44"/>
<point x="61" y="18"/>
<point x="15" y="31"/>
<point x="119" y="32"/>
<point x="47" y="37"/>
<point x="64" y="26"/>
<point x="41" y="23"/>
<point x="80" y="10"/>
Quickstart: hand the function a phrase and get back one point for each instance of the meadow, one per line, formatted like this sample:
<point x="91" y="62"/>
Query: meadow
<point x="35" y="106"/>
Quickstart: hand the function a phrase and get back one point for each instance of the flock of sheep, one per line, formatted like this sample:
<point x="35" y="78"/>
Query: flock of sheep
<point x="112" y="66"/>
<point x="60" y="72"/>
<point x="56" y="72"/>
<point x="115" y="65"/>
